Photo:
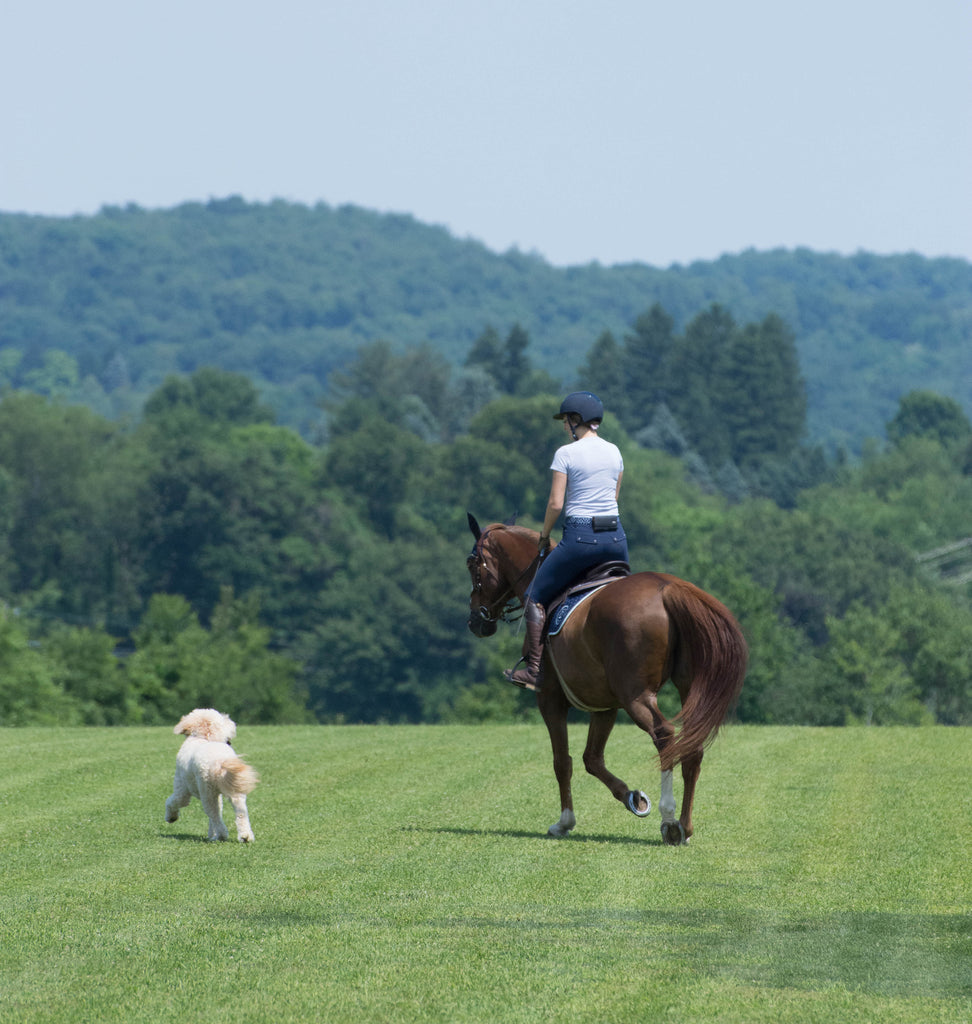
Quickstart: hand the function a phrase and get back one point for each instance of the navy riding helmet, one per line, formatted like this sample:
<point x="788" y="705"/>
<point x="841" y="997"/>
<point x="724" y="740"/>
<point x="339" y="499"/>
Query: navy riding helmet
<point x="582" y="403"/>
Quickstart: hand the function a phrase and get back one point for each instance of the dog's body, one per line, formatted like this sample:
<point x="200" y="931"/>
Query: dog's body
<point x="207" y="768"/>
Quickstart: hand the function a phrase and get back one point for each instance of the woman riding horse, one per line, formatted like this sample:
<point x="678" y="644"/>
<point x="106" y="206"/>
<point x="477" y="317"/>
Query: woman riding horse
<point x="585" y="486"/>
<point x="615" y="652"/>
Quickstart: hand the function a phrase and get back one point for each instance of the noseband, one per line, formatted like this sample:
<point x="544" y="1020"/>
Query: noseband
<point x="502" y="608"/>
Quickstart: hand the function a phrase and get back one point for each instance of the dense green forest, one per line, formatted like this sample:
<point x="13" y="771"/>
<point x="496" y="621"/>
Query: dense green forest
<point x="205" y="554"/>
<point x="238" y="444"/>
<point x="100" y="310"/>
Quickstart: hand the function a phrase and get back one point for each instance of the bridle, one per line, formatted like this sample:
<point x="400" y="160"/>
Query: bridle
<point x="504" y="607"/>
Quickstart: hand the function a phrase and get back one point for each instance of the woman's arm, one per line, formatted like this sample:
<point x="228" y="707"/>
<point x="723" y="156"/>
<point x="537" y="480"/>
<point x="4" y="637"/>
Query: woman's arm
<point x="617" y="490"/>
<point x="555" y="504"/>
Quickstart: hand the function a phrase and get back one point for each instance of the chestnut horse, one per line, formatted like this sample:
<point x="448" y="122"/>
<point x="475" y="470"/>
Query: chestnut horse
<point x="615" y="651"/>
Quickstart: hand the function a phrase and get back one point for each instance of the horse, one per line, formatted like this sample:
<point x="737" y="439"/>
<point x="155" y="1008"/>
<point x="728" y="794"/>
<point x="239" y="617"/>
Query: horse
<point x="615" y="651"/>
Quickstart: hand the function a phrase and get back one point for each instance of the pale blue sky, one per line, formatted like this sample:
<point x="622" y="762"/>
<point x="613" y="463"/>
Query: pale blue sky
<point x="613" y="131"/>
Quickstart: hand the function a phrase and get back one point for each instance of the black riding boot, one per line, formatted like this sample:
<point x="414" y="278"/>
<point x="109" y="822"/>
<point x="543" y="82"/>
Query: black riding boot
<point x="527" y="671"/>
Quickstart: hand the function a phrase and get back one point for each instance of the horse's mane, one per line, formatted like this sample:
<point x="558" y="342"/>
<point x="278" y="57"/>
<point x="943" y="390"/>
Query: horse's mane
<point x="518" y="531"/>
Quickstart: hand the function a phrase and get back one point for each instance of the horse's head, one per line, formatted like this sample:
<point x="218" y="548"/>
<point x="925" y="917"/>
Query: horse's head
<point x="485" y="583"/>
<point x="496" y="578"/>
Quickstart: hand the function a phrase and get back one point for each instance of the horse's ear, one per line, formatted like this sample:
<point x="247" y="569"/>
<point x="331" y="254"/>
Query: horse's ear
<point x="473" y="525"/>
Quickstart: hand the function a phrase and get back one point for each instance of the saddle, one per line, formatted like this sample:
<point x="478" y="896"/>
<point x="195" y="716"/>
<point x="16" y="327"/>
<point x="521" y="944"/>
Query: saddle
<point x="583" y="585"/>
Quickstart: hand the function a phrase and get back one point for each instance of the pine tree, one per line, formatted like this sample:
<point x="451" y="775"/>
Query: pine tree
<point x="693" y="382"/>
<point x="646" y="351"/>
<point x="759" y="396"/>
<point x="603" y="373"/>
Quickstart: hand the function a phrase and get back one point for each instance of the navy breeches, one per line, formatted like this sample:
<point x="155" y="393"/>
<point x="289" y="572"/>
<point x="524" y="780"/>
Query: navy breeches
<point x="580" y="549"/>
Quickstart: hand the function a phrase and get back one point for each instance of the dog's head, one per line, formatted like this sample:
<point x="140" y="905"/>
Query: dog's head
<point x="207" y="724"/>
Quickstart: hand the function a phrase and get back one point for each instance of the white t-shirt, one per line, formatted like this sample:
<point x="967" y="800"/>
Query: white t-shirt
<point x="593" y="466"/>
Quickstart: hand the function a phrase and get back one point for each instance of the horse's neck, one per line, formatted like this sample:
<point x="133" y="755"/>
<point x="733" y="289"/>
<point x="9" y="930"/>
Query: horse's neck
<point x="517" y="558"/>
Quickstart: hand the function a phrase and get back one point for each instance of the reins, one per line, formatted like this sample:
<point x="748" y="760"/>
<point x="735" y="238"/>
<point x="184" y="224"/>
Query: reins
<point x="508" y="600"/>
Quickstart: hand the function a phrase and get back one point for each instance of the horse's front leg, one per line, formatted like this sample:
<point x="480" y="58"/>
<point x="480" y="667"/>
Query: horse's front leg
<point x="553" y="707"/>
<point x="602" y="722"/>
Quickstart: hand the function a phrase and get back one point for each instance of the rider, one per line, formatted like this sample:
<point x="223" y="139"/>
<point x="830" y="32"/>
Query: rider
<point x="585" y="486"/>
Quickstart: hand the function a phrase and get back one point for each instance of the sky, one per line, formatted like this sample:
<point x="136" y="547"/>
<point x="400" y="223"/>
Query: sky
<point x="612" y="131"/>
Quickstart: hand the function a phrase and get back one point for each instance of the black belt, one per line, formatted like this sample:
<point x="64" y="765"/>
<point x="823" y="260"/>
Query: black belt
<point x="599" y="524"/>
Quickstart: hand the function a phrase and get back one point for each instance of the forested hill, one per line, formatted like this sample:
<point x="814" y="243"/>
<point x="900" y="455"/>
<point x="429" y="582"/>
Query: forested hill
<point x="100" y="309"/>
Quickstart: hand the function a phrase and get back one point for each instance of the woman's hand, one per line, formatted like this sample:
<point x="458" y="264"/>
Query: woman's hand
<point x="543" y="544"/>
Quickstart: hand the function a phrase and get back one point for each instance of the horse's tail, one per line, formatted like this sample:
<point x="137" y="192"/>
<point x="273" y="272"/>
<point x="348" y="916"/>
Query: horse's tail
<point x="708" y="636"/>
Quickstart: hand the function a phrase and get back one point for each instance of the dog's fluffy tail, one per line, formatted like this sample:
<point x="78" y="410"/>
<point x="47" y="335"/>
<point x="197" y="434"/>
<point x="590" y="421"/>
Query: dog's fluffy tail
<point x="235" y="776"/>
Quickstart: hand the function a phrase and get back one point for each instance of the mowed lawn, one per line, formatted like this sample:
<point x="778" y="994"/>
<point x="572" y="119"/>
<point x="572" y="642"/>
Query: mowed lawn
<point x="401" y="874"/>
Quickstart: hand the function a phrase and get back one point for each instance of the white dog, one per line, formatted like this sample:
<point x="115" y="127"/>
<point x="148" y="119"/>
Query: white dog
<point x="207" y="768"/>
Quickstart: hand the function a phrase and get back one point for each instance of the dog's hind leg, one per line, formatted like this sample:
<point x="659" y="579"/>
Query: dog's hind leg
<point x="180" y="798"/>
<point x="213" y="806"/>
<point x="243" y="830"/>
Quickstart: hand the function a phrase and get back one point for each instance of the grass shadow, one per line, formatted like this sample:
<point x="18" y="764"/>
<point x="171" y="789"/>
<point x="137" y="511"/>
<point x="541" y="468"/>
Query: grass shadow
<point x="504" y="833"/>
<point x="184" y="837"/>
<point x="892" y="955"/>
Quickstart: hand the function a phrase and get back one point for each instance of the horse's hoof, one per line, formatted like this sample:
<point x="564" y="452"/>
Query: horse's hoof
<point x="561" y="828"/>
<point x="638" y="803"/>
<point x="673" y="834"/>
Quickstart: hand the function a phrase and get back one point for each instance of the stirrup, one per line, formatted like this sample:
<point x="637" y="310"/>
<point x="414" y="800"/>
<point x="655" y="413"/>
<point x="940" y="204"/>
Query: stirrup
<point x="524" y="684"/>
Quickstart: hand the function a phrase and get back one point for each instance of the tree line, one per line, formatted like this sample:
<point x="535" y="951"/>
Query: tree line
<point x="206" y="554"/>
<point x="101" y="309"/>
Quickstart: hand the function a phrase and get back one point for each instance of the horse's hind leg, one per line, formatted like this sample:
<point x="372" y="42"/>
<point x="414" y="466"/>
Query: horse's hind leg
<point x="553" y="707"/>
<point x="645" y="713"/>
<point x="674" y="831"/>
<point x="691" y="766"/>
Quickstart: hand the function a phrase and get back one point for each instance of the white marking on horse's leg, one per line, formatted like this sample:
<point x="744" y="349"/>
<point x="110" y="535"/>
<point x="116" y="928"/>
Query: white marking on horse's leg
<point x="562" y="828"/>
<point x="666" y="802"/>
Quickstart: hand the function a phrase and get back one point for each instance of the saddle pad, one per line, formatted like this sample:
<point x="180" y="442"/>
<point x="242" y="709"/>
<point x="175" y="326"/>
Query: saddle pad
<point x="562" y="612"/>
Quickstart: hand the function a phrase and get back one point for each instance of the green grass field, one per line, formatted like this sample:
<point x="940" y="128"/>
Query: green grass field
<point x="401" y="874"/>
